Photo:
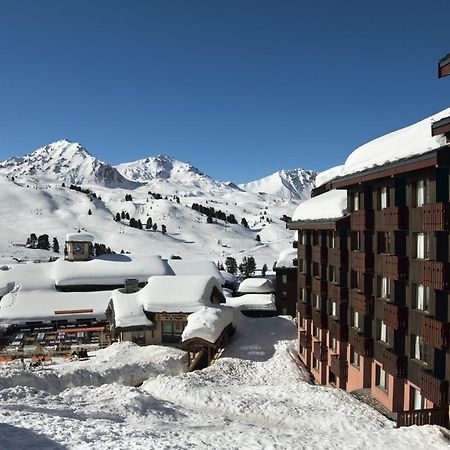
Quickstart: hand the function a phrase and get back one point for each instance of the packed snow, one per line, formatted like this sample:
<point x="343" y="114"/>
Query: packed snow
<point x="327" y="206"/>
<point x="254" y="397"/>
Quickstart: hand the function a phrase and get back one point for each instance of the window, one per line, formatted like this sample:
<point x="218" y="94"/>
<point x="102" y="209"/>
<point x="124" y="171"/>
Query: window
<point x="381" y="379"/>
<point x="301" y="265"/>
<point x="315" y="269"/>
<point x="354" y="358"/>
<point x="333" y="239"/>
<point x="315" y="238"/>
<point x="384" y="242"/>
<point x="420" y="193"/>
<point x="356" y="240"/>
<point x="333" y="344"/>
<point x="415" y="399"/>
<point x="384" y="288"/>
<point x="304" y="238"/>
<point x="315" y="363"/>
<point x="419" y="350"/>
<point x="333" y="310"/>
<point x="285" y="294"/>
<point x="172" y="330"/>
<point x="332" y="274"/>
<point x="138" y="337"/>
<point x="421" y="297"/>
<point x="356" y="279"/>
<point x="382" y="332"/>
<point x="316" y="301"/>
<point x="356" y="201"/>
<point x="421" y="245"/>
<point x="315" y="331"/>
<point x="384" y="197"/>
<point x="284" y="279"/>
<point x="355" y="319"/>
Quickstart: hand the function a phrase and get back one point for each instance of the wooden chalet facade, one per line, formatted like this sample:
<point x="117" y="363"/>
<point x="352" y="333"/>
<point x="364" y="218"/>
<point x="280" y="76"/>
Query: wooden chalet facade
<point x="374" y="286"/>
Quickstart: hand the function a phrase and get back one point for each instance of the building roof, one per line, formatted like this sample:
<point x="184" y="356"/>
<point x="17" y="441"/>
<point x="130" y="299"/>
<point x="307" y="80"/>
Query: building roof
<point x="331" y="205"/>
<point x="286" y="259"/>
<point x="79" y="237"/>
<point x="256" y="286"/>
<point x="196" y="267"/>
<point x="253" y="302"/>
<point x="328" y="175"/>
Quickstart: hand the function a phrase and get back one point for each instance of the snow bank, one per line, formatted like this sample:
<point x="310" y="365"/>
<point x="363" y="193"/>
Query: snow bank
<point x="286" y="258"/>
<point x="253" y="301"/>
<point x="327" y="206"/>
<point x="256" y="286"/>
<point x="413" y="140"/>
<point x="208" y="323"/>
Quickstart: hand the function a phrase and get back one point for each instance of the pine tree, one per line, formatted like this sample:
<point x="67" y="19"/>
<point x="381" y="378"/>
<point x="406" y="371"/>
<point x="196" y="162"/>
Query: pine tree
<point x="139" y="224"/>
<point x="149" y="223"/>
<point x="247" y="266"/>
<point x="127" y="216"/>
<point x="89" y="212"/>
<point x="133" y="222"/>
<point x="55" y="245"/>
<point x="117" y="217"/>
<point x="258" y="238"/>
<point x="43" y="242"/>
<point x="155" y="227"/>
<point x="163" y="229"/>
<point x="209" y="219"/>
<point x="122" y="215"/>
<point x="231" y="265"/>
<point x="33" y="240"/>
<point x="244" y="222"/>
<point x="264" y="270"/>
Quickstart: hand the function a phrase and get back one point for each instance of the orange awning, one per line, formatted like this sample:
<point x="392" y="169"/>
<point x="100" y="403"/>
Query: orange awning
<point x="81" y="329"/>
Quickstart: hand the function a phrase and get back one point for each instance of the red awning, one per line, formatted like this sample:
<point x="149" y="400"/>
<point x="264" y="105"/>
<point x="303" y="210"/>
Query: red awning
<point x="81" y="329"/>
<point x="73" y="311"/>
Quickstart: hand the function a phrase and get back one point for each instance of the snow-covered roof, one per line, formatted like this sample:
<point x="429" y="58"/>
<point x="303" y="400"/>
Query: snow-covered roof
<point x="328" y="175"/>
<point x="327" y="206"/>
<point x="253" y="301"/>
<point x="411" y="141"/>
<point x="79" y="237"/>
<point x="256" y="286"/>
<point x="228" y="277"/>
<point x="286" y="258"/>
<point x="196" y="267"/>
<point x="128" y="312"/>
<point x="109" y="270"/>
<point x="208" y="323"/>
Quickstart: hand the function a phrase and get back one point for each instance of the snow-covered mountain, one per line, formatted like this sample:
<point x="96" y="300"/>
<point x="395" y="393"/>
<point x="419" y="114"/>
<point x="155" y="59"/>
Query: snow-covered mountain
<point x="295" y="184"/>
<point x="64" y="161"/>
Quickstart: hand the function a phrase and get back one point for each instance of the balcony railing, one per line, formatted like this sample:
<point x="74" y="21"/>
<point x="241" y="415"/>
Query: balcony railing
<point x="339" y="367"/>
<point x="305" y="311"/>
<point x="304" y="281"/>
<point x="304" y="252"/>
<point x="338" y="257"/>
<point x="362" y="220"/>
<point x="394" y="316"/>
<point x="319" y="286"/>
<point x="436" y="275"/>
<point x="338" y="330"/>
<point x="435" y="333"/>
<point x="434" y="389"/>
<point x="362" y="303"/>
<point x="394" y="267"/>
<point x="319" y="254"/>
<point x="392" y="218"/>
<point x="362" y="261"/>
<point x="305" y="339"/>
<point x="320" y="351"/>
<point x="423" y="417"/>
<point x="337" y="293"/>
<point x="320" y="319"/>
<point x="435" y="216"/>
<point x="361" y="344"/>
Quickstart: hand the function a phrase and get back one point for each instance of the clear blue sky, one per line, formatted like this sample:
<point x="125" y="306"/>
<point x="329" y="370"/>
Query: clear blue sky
<point x="239" y="88"/>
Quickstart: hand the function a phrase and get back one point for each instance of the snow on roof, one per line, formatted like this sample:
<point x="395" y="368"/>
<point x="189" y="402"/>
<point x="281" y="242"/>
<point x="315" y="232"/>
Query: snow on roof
<point x="327" y="206"/>
<point x="328" y="175"/>
<point x="208" y="323"/>
<point x="253" y="301"/>
<point x="79" y="237"/>
<point x="286" y="258"/>
<point x="22" y="305"/>
<point x="256" y="286"/>
<point x="413" y="140"/>
<point x="109" y="270"/>
<point x="196" y="267"/>
<point x="128" y="312"/>
<point x="228" y="277"/>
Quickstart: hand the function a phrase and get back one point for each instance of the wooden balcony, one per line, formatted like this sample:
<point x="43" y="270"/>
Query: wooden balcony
<point x="337" y="293"/>
<point x="319" y="254"/>
<point x="320" y="319"/>
<point x="304" y="281"/>
<point x="305" y="339"/>
<point x="435" y="333"/>
<point x="362" y="261"/>
<point x="319" y="286"/>
<point x="395" y="365"/>
<point x="435" y="216"/>
<point x="394" y="316"/>
<point x="436" y="275"/>
<point x="423" y="417"/>
<point x="361" y="344"/>
<point x="362" y="303"/>
<point x="305" y="311"/>
<point x="434" y="389"/>
<point x="338" y="330"/>
<point x="444" y="66"/>
<point x="392" y="219"/>
<point x="338" y="257"/>
<point x="394" y="267"/>
<point x="339" y="367"/>
<point x="320" y="351"/>
<point x="362" y="220"/>
<point x="304" y="252"/>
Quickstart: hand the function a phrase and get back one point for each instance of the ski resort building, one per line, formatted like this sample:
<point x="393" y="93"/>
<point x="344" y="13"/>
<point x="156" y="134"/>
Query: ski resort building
<point x="286" y="282"/>
<point x="374" y="272"/>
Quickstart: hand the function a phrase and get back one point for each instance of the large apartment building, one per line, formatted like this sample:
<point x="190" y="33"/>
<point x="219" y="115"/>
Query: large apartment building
<point x="374" y="272"/>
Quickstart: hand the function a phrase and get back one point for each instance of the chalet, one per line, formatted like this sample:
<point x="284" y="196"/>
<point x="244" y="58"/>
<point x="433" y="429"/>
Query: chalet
<point x="286" y="282"/>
